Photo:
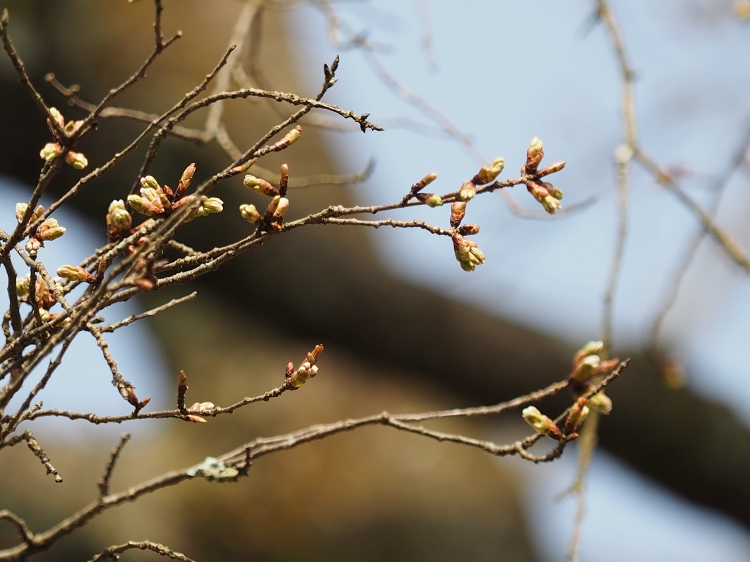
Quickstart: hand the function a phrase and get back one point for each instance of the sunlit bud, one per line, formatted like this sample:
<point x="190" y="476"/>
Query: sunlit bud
<point x="534" y="155"/>
<point x="49" y="230"/>
<point x="57" y="116"/>
<point x="118" y="218"/>
<point x="77" y="160"/>
<point x="424" y="182"/>
<point x="44" y="296"/>
<point x="72" y="126"/>
<point x="271" y="209"/>
<point x="290" y="138"/>
<point x="21" y="210"/>
<point x="586" y="368"/>
<point x="45" y="315"/>
<point x="250" y="214"/>
<point x="458" y="212"/>
<point x="195" y="419"/>
<point x="204" y="407"/>
<point x="551" y="169"/>
<point x="591" y="348"/>
<point x="281" y="207"/>
<point x="33" y="245"/>
<point x="147" y="203"/>
<point x="211" y="206"/>
<point x="469" y="229"/>
<point x="578" y="414"/>
<point x="150" y="181"/>
<point x="284" y="180"/>
<point x="601" y="403"/>
<point x="555" y="192"/>
<point x="260" y="185"/>
<point x="489" y="172"/>
<point x="312" y="356"/>
<point x="185" y="179"/>
<point x="22" y="287"/>
<point x="541" y="423"/>
<point x="468" y="191"/>
<point x="74" y="273"/>
<point x="550" y="204"/>
<point x="430" y="199"/>
<point x="467" y="253"/>
<point x="50" y="151"/>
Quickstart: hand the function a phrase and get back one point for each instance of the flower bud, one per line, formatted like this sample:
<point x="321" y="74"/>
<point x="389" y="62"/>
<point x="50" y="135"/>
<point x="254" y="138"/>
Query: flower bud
<point x="468" y="191"/>
<point x="551" y="169"/>
<point x="49" y="230"/>
<point x="430" y="199"/>
<point x="150" y="182"/>
<point x="534" y="156"/>
<point x="424" y="182"/>
<point x="458" y="212"/>
<point x="281" y="208"/>
<point x="250" y="214"/>
<point x="72" y="126"/>
<point x="75" y="273"/>
<point x="21" y="210"/>
<point x="57" y="116"/>
<point x="551" y="204"/>
<point x="578" y="414"/>
<point x="469" y="229"/>
<point x="211" y="206"/>
<point x="541" y="423"/>
<point x="586" y="368"/>
<point x="32" y="246"/>
<point x="118" y="218"/>
<point x="50" y="151"/>
<point x="489" y="172"/>
<point x="591" y="348"/>
<point x="77" y="160"/>
<point x="260" y="185"/>
<point x="467" y="253"/>
<point x="601" y="403"/>
<point x="22" y="287"/>
<point x="185" y="179"/>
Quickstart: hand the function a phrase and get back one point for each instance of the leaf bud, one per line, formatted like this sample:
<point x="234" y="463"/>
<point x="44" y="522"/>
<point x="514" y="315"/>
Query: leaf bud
<point x="468" y="229"/>
<point x="541" y="423"/>
<point x="424" y="182"/>
<point x="75" y="273"/>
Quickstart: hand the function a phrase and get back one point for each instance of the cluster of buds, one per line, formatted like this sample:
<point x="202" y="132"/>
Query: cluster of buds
<point x="541" y="423"/>
<point x="544" y="192"/>
<point x="467" y="251"/>
<point x="307" y="370"/>
<point x="48" y="230"/>
<point x="52" y="150"/>
<point x="119" y="221"/>
<point x="588" y="366"/>
<point x="76" y="273"/>
<point x="160" y="200"/>
<point x="577" y="415"/>
<point x="273" y="218"/>
<point x="485" y="175"/>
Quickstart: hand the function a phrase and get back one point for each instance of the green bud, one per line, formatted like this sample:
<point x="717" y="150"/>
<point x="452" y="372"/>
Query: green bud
<point x="50" y="151"/>
<point x="49" y="230"/>
<point x="550" y="204"/>
<point x="250" y="214"/>
<point x="77" y="160"/>
<point x="490" y="172"/>
<point x="212" y="205"/>
<point x="601" y="403"/>
<point x="468" y="191"/>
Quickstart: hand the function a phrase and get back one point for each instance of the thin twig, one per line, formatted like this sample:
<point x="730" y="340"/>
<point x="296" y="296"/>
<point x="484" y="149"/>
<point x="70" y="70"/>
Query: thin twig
<point x="110" y="466"/>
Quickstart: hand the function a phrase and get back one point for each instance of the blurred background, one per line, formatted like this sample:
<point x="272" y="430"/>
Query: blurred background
<point x="404" y="328"/>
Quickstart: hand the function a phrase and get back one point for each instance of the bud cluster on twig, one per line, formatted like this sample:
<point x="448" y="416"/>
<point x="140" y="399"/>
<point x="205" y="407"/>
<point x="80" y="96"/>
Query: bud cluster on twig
<point x="273" y="218"/>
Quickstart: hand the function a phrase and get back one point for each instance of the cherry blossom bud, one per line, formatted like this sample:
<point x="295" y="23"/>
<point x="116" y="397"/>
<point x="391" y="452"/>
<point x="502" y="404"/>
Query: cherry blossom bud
<point x="424" y="182"/>
<point x="489" y="172"/>
<point x="22" y="287"/>
<point x="468" y="191"/>
<point x="211" y="206"/>
<point x="551" y="169"/>
<point x="32" y="246"/>
<point x="50" y="151"/>
<point x="551" y="204"/>
<point x="57" y="116"/>
<point x="75" y="273"/>
<point x="118" y="218"/>
<point x="601" y="403"/>
<point x="467" y="253"/>
<point x="260" y="185"/>
<point x="185" y="179"/>
<point x="534" y="156"/>
<point x="77" y="160"/>
<point x="469" y="229"/>
<point x="458" y="212"/>
<point x="430" y="199"/>
<point x="541" y="423"/>
<point x="281" y="208"/>
<point x="250" y="214"/>
<point x="49" y="230"/>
